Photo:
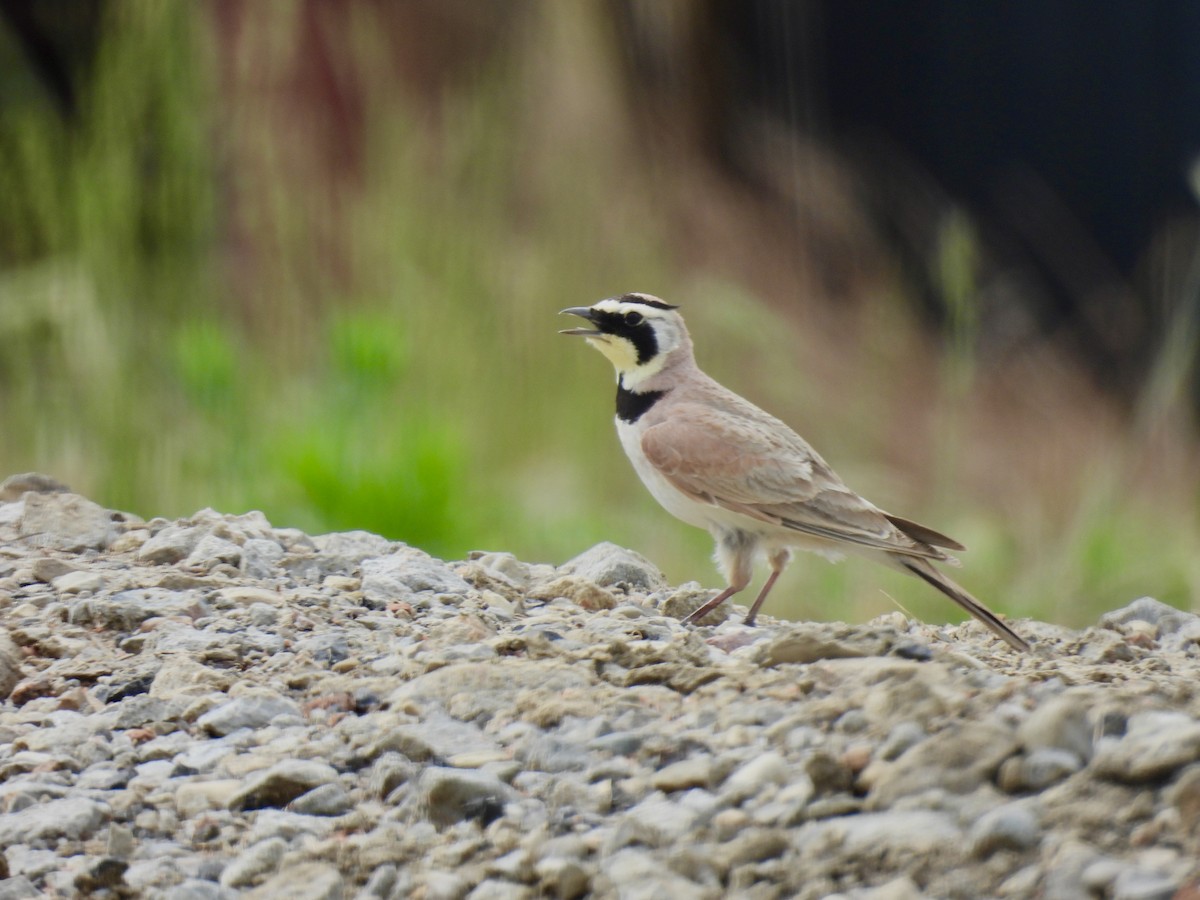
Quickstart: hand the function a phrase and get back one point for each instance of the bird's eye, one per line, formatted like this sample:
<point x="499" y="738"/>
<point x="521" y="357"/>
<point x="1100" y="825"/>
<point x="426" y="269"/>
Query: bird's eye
<point x="634" y="318"/>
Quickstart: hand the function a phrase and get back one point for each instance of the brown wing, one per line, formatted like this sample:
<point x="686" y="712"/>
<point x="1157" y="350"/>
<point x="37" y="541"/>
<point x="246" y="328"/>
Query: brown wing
<point x="766" y="471"/>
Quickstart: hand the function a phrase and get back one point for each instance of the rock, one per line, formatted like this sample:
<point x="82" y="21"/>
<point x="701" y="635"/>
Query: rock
<point x="635" y="874"/>
<point x="1166" y="619"/>
<point x="442" y="886"/>
<point x="1184" y="795"/>
<point x="958" y="759"/>
<point x="827" y="773"/>
<point x="10" y="665"/>
<point x="282" y="783"/>
<point x="751" y="846"/>
<point x="126" y="610"/>
<point x="352" y="547"/>
<point x="584" y="593"/>
<point x="49" y="568"/>
<point x="326" y="800"/>
<point x="211" y="551"/>
<point x="1012" y="826"/>
<point x="1061" y="723"/>
<point x="67" y="522"/>
<point x="903" y="735"/>
<point x="1139" y="884"/>
<point x="254" y="709"/>
<point x="305" y="881"/>
<point x="437" y="737"/>
<point x="103" y="874"/>
<point x="562" y="878"/>
<point x="74" y="818"/>
<point x="751" y="777"/>
<point x="696" y="771"/>
<point x="803" y="645"/>
<point x="915" y="831"/>
<point x="14" y="487"/>
<point x="493" y="685"/>
<point x="447" y="796"/>
<point x="1155" y="744"/>
<point x="380" y="883"/>
<point x="199" y="796"/>
<point x="406" y="572"/>
<point x="1038" y="770"/>
<point x="170" y="545"/>
<point x="261" y="557"/>
<point x="493" y="889"/>
<point x="609" y="566"/>
<point x="195" y="889"/>
<point x="254" y="863"/>
<point x="18" y="888"/>
<point x="504" y="564"/>
<point x="181" y="676"/>
<point x="78" y="583"/>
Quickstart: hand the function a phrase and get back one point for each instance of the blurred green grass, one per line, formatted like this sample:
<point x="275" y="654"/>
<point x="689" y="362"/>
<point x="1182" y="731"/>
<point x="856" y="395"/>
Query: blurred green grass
<point x="415" y="385"/>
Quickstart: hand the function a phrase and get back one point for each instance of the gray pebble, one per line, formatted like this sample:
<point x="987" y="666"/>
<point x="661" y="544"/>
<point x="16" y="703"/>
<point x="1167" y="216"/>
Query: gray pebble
<point x="896" y="830"/>
<point x="170" y="545"/>
<point x="903" y="735"/>
<point x="18" y="888"/>
<point x="406" y="572"/>
<point x="609" y="565"/>
<point x="1012" y="826"/>
<point x="70" y="817"/>
<point x="379" y="884"/>
<point x="282" y="783"/>
<point x="253" y="863"/>
<point x="11" y="672"/>
<point x="1139" y="884"/>
<point x="1060" y="723"/>
<point x="1038" y="770"/>
<point x="447" y="795"/>
<point x="767" y="768"/>
<point x="1165" y="618"/>
<point x="67" y="522"/>
<point x="78" y="583"/>
<point x="563" y="878"/>
<point x="494" y="889"/>
<point x="261" y="557"/>
<point x="303" y="881"/>
<point x="326" y="800"/>
<point x="252" y="710"/>
<point x="196" y="889"/>
<point x="1155" y="743"/>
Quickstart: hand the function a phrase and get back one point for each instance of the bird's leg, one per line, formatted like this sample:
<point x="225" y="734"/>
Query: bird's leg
<point x="735" y="553"/>
<point x="779" y="560"/>
<point x="701" y="611"/>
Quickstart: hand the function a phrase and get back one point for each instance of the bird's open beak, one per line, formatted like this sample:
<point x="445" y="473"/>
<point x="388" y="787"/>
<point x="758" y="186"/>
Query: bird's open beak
<point x="583" y="312"/>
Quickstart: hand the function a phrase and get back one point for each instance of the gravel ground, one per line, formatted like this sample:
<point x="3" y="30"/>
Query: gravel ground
<point x="216" y="708"/>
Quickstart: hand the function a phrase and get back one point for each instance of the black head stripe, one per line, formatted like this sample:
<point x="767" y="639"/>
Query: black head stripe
<point x="640" y="335"/>
<point x="643" y="300"/>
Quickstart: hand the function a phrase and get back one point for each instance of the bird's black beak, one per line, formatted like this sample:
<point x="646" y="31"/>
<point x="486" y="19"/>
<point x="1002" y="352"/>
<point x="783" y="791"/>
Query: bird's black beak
<point x="583" y="312"/>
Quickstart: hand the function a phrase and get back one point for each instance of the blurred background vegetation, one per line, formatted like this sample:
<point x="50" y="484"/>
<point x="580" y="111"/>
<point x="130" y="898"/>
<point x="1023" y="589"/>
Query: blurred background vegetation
<point x="306" y="256"/>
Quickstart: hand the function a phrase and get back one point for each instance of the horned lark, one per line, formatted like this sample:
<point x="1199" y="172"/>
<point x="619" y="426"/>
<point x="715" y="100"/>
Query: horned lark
<point x="720" y="463"/>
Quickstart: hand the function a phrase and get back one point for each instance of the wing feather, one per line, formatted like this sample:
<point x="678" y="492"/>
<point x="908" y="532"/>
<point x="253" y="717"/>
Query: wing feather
<point x="767" y="472"/>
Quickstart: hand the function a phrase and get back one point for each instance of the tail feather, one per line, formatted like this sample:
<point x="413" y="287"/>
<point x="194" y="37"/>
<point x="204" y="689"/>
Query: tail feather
<point x="932" y="576"/>
<point x="923" y="533"/>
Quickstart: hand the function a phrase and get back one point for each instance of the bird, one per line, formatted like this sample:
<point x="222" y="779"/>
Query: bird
<point x="716" y="461"/>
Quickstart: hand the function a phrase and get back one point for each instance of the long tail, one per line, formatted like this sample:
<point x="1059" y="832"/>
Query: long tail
<point x="927" y="573"/>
